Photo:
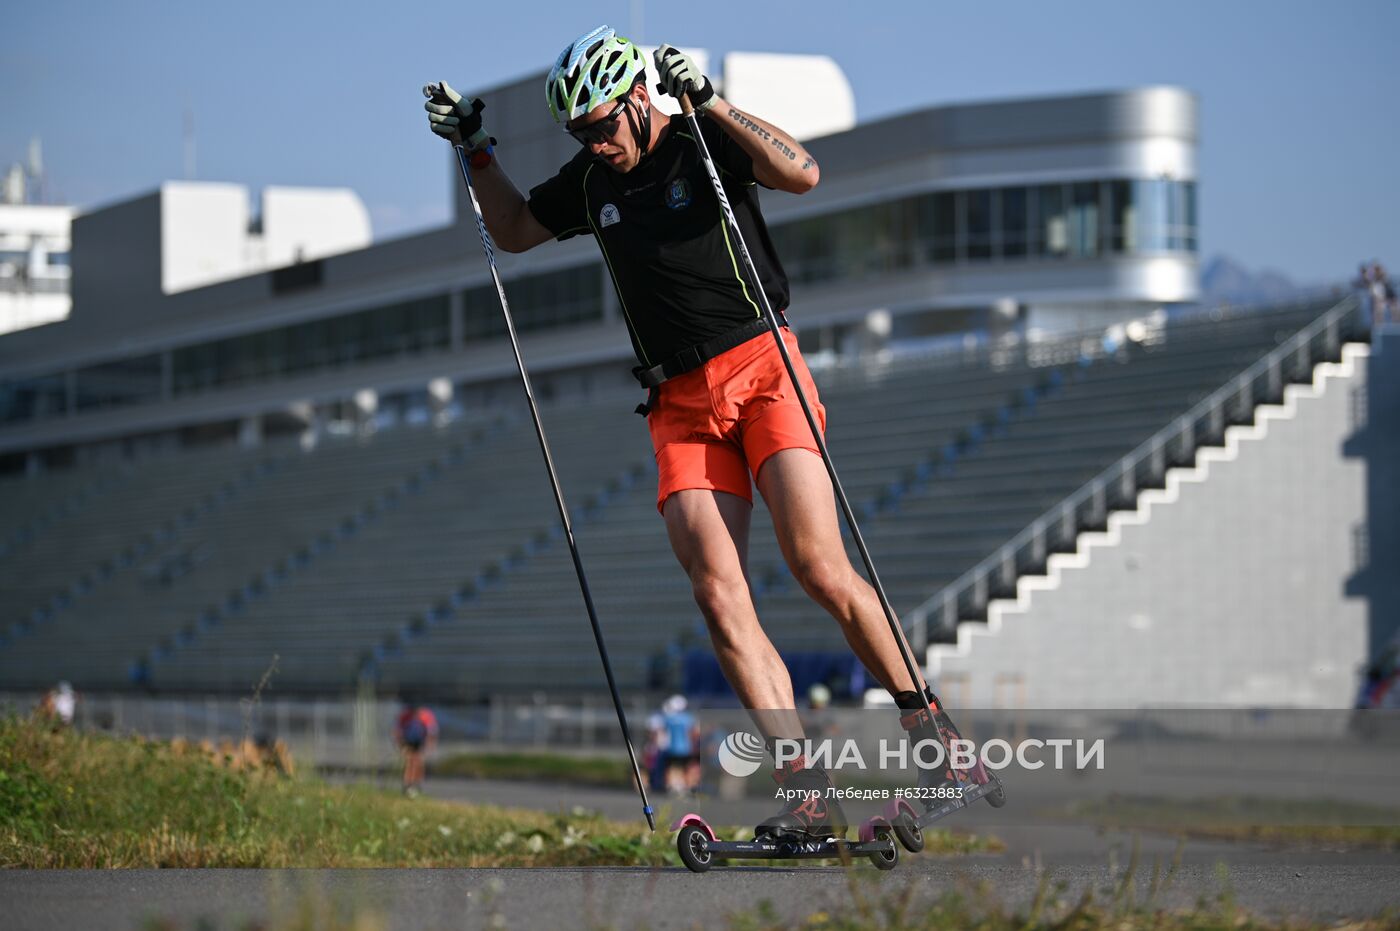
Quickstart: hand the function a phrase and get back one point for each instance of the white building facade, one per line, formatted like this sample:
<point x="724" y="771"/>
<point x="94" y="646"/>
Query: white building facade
<point x="34" y="269"/>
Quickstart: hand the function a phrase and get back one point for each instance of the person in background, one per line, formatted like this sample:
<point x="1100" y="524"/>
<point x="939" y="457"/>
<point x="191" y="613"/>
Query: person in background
<point x="1389" y="311"/>
<point x="59" y="705"/>
<point x="654" y="752"/>
<point x="682" y="757"/>
<point x="818" y="721"/>
<point x="1364" y="282"/>
<point x="416" y="733"/>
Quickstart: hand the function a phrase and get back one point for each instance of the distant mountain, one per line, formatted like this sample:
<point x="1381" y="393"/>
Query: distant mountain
<point x="1224" y="279"/>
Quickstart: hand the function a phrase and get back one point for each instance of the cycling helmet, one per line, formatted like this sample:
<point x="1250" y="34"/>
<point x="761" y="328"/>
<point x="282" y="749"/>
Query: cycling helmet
<point x="595" y="68"/>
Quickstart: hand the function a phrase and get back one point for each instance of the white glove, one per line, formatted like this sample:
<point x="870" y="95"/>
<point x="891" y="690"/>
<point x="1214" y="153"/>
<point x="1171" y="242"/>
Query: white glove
<point x="680" y="76"/>
<point x="454" y="117"/>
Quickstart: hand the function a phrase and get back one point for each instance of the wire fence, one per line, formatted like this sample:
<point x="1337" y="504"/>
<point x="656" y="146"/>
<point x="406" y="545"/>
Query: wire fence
<point x="354" y="731"/>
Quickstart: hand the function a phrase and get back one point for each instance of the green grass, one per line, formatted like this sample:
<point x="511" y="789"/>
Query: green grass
<point x="541" y="767"/>
<point x="74" y="800"/>
<point x="1245" y="818"/>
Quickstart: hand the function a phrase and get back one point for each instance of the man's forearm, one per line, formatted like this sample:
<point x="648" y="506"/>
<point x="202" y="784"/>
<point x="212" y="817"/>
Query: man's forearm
<point x="500" y="200"/>
<point x="502" y="204"/>
<point x="779" y="160"/>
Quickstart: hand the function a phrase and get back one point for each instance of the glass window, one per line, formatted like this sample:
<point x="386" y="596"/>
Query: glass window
<point x="1120" y="233"/>
<point x="939" y="218"/>
<point x="978" y="207"/>
<point x="1084" y="219"/>
<point x="895" y="229"/>
<point x="1052" y="225"/>
<point x="33" y="398"/>
<point x="1151" y="211"/>
<point x="807" y="248"/>
<point x="1189" y="191"/>
<point x="572" y="295"/>
<point x="116" y="384"/>
<point x="1181" y="233"/>
<point x="1013" y="222"/>
<point x="404" y="328"/>
<point x="481" y="314"/>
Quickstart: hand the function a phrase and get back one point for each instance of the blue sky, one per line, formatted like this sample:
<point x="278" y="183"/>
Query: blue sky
<point x="1299" y="134"/>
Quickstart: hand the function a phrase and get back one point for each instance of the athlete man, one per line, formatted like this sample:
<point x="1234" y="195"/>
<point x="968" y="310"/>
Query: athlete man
<point x="721" y="406"/>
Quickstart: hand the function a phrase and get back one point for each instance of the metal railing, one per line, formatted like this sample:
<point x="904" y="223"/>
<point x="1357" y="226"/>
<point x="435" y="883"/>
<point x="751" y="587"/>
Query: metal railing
<point x="1116" y="487"/>
<point x="1087" y="343"/>
<point x="25" y="284"/>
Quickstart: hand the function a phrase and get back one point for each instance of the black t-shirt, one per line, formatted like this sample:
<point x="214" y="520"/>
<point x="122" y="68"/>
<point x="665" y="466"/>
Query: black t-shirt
<point x="662" y="233"/>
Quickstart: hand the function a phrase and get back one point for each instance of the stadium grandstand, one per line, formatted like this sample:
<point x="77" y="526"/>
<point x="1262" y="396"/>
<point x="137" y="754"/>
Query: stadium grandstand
<point x="330" y="462"/>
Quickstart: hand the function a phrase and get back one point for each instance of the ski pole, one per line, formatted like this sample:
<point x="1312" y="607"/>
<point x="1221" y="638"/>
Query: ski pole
<point x="554" y="483"/>
<point x="904" y="651"/>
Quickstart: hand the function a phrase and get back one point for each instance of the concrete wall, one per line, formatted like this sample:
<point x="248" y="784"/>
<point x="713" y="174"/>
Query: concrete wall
<point x="1376" y="444"/>
<point x="116" y="266"/>
<point x="1228" y="587"/>
<point x="204" y="233"/>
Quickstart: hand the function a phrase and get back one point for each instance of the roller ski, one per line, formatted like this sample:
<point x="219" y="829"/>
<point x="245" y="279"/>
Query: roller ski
<point x="811" y="825"/>
<point x="944" y="789"/>
<point x="700" y="848"/>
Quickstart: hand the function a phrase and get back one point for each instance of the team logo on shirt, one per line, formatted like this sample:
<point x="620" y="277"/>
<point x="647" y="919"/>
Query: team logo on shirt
<point x="609" y="215"/>
<point x="678" y="194"/>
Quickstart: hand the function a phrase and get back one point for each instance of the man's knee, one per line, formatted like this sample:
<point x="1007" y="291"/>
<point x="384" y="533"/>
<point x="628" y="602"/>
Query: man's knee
<point x="727" y="609"/>
<point x="717" y="594"/>
<point x="826" y="581"/>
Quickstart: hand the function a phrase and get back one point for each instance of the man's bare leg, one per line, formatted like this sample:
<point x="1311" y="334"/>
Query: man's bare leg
<point x="798" y="491"/>
<point x="709" y="532"/>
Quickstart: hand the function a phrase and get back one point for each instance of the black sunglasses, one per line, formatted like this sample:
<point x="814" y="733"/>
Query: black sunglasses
<point x="602" y="130"/>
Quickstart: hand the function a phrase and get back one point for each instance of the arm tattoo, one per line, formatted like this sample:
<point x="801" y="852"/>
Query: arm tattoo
<point x="810" y="163"/>
<point x="749" y="124"/>
<point x="763" y="134"/>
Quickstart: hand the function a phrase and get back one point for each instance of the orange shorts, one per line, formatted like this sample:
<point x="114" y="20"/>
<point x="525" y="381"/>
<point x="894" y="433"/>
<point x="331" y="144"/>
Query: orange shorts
<point x="713" y="426"/>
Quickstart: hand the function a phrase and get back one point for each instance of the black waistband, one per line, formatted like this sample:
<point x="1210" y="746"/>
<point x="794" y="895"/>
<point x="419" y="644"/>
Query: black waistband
<point x="688" y="360"/>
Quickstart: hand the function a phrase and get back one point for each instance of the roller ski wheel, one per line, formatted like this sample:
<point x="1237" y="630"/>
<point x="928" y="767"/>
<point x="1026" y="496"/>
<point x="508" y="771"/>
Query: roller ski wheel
<point x="693" y="844"/>
<point x="878" y="836"/>
<point x="885" y="859"/>
<point x="909" y="834"/>
<point x="904" y="821"/>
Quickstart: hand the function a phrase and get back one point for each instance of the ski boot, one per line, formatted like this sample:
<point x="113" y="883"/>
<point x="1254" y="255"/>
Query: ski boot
<point x="810" y="813"/>
<point x="940" y="784"/>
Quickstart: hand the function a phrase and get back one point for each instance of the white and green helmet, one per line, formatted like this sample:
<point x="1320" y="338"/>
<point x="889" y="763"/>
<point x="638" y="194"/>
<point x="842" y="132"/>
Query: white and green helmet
<point x="596" y="68"/>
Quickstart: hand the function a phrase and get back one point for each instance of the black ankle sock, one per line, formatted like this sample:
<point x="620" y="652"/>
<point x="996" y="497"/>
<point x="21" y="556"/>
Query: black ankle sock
<point x="908" y="701"/>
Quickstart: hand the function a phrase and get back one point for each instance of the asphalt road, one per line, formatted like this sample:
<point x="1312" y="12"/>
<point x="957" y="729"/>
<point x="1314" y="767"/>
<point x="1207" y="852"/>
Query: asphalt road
<point x="1318" y="887"/>
<point x="1283" y="883"/>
